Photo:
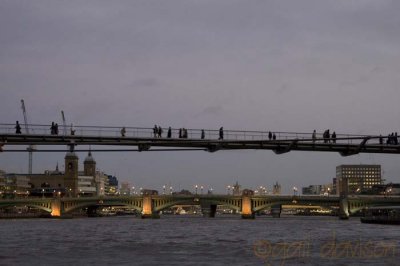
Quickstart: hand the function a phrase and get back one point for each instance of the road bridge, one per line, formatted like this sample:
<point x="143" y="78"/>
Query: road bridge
<point x="246" y="204"/>
<point x="144" y="139"/>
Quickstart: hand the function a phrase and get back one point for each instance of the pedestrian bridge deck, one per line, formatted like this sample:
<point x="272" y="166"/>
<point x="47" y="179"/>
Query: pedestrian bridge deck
<point x="143" y="139"/>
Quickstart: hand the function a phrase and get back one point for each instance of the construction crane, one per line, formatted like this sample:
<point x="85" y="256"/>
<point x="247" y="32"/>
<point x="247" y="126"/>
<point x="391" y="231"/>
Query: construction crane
<point x="30" y="147"/>
<point x="64" y="123"/>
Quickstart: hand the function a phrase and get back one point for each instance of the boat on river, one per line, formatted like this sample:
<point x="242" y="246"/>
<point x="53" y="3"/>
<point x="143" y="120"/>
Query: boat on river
<point x="382" y="215"/>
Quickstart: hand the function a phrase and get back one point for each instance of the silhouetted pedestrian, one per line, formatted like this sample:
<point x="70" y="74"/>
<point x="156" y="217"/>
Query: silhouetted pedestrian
<point x="334" y="137"/>
<point x="160" y="131"/>
<point x="203" y="135"/>
<point x="270" y="135"/>
<point x="17" y="128"/>
<point x="52" y="128"/>
<point x="221" y="133"/>
<point x="169" y="133"/>
<point x="155" y="130"/>
<point x="388" y="139"/>
<point x="185" y="133"/>
<point x="123" y="131"/>
<point x="326" y="136"/>
<point x="273" y="136"/>
<point x="56" y="129"/>
<point x="314" y="136"/>
<point x="380" y="139"/>
<point x="395" y="139"/>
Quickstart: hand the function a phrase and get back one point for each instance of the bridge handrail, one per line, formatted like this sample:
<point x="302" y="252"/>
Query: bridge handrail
<point x="145" y="132"/>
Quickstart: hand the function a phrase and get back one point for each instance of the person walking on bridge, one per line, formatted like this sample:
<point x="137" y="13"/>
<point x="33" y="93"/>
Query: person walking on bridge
<point x="221" y="133"/>
<point x="155" y="130"/>
<point x="169" y="133"/>
<point x="17" y="128"/>
<point x="123" y="131"/>
<point x="334" y="137"/>
<point x="160" y="131"/>
<point x="314" y="136"/>
<point x="203" y="135"/>
<point x="52" y="128"/>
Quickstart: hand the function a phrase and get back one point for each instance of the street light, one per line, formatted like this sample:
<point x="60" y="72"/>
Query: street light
<point x="329" y="191"/>
<point x="294" y="191"/>
<point x="201" y="188"/>
<point x="389" y="191"/>
<point x="164" y="190"/>
<point x="42" y="192"/>
<point x="170" y="190"/>
<point x="196" y="188"/>
<point x="228" y="188"/>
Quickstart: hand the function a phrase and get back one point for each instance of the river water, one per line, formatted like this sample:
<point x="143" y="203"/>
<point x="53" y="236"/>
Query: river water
<point x="194" y="240"/>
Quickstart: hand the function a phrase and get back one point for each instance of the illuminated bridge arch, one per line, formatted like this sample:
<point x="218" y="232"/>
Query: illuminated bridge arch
<point x="356" y="204"/>
<point x="162" y="203"/>
<point x="44" y="205"/>
<point x="74" y="204"/>
<point x="261" y="203"/>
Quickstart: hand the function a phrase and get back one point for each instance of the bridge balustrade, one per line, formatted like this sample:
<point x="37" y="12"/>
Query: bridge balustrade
<point x="142" y="132"/>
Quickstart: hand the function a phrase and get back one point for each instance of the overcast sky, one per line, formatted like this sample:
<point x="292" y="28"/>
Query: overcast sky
<point x="247" y="65"/>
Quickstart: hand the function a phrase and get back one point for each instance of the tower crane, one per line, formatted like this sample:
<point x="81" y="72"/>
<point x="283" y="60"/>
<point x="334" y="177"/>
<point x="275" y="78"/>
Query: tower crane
<point x="64" y="123"/>
<point x="30" y="147"/>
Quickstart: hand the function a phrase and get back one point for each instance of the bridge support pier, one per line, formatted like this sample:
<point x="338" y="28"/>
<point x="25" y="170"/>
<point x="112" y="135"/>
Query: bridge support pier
<point x="56" y="208"/>
<point x="247" y="211"/>
<point x="148" y="209"/>
<point x="208" y="210"/>
<point x="276" y="211"/>
<point x="344" y="209"/>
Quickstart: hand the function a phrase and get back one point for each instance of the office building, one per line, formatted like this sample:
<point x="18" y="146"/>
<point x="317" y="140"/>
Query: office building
<point x="353" y="179"/>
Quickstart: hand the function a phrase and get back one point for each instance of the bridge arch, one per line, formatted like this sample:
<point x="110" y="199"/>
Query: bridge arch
<point x="261" y="204"/>
<point x="162" y="204"/>
<point x="44" y="207"/>
<point x="70" y="206"/>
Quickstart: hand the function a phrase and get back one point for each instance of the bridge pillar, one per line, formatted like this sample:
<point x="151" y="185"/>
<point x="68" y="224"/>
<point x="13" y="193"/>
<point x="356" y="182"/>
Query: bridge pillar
<point x="208" y="210"/>
<point x="92" y="211"/>
<point x="148" y="208"/>
<point x="247" y="212"/>
<point x="276" y="211"/>
<point x="56" y="208"/>
<point x="344" y="208"/>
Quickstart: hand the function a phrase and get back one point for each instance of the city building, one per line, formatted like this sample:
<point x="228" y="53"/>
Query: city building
<point x="384" y="189"/>
<point x="12" y="185"/>
<point x="392" y="189"/>
<point x="334" y="186"/>
<point x="317" y="190"/>
<point x="276" y="189"/>
<point x="71" y="182"/>
<point x="111" y="185"/>
<point x="125" y="189"/>
<point x="236" y="191"/>
<point x="352" y="179"/>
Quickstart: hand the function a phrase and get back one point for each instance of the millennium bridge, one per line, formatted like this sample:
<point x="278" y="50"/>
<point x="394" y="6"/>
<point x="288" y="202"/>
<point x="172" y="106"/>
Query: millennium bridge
<point x="145" y="139"/>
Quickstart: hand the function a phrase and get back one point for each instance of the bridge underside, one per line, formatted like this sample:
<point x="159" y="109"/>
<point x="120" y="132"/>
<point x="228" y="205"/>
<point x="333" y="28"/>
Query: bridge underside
<point x="358" y="145"/>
